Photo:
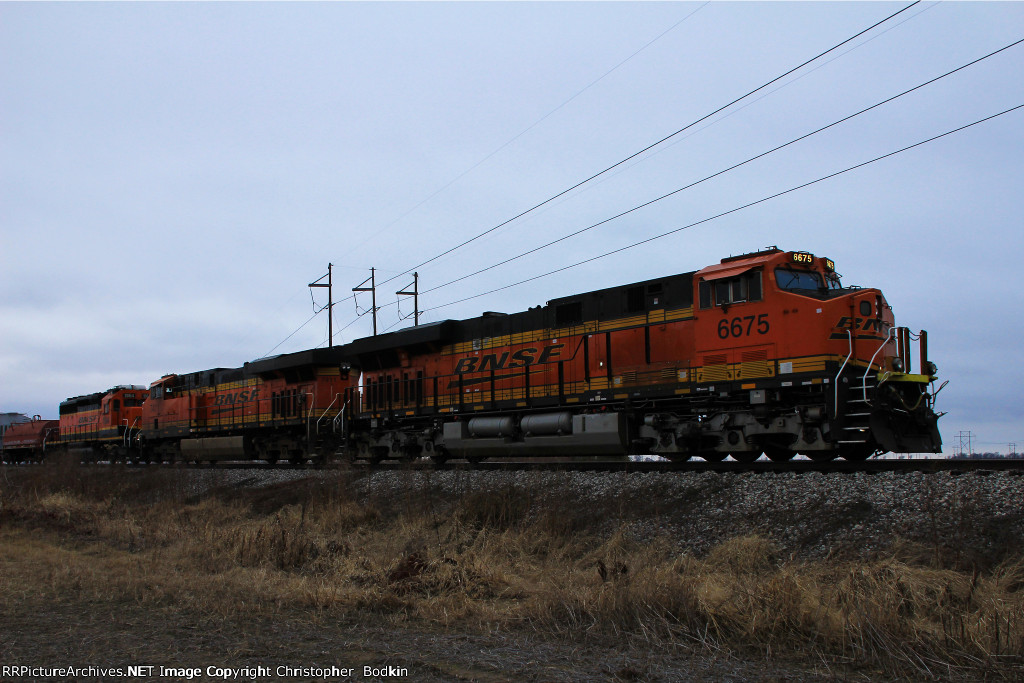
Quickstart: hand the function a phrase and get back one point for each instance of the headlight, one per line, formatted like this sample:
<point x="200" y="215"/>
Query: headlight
<point x="931" y="369"/>
<point x="897" y="364"/>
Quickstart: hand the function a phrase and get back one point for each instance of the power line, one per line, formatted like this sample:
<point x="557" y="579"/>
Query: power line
<point x="735" y="210"/>
<point x="524" y="132"/>
<point x="308" y="320"/>
<point x="771" y="92"/>
<point x="723" y="171"/>
<point x="654" y="144"/>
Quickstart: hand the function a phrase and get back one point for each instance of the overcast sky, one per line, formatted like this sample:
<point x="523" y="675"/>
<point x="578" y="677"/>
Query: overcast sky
<point x="174" y="175"/>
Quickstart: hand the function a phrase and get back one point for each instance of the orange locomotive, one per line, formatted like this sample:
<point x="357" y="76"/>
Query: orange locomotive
<point x="763" y="353"/>
<point x="102" y="426"/>
<point x="282" y="407"/>
<point x="30" y="441"/>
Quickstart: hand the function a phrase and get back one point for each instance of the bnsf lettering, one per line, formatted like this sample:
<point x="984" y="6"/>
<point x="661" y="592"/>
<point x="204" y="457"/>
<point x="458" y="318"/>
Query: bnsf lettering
<point x="863" y="324"/>
<point x="519" y="359"/>
<point x="236" y="397"/>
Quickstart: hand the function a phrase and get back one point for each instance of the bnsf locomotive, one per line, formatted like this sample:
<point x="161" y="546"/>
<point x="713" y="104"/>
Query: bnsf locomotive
<point x="762" y="353"/>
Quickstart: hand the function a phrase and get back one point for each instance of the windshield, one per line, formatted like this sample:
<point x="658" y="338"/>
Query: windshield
<point x="798" y="279"/>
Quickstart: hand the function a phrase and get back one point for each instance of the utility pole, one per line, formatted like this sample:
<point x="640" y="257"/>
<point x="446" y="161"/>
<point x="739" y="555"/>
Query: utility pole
<point x="966" y="436"/>
<point x="373" y="295"/>
<point x="330" y="302"/>
<point x="415" y="294"/>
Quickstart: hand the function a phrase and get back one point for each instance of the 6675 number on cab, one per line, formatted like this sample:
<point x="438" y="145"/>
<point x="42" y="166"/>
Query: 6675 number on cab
<point x="743" y="326"/>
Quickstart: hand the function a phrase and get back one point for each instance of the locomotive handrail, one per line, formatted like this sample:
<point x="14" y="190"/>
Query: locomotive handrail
<point x="849" y="333"/>
<point x="864" y="380"/>
<point x="128" y="431"/>
<point x="324" y="414"/>
<point x="309" y="423"/>
<point x="341" y="414"/>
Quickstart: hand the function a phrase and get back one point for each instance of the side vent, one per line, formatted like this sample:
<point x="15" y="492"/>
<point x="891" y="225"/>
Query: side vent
<point x="716" y="368"/>
<point x="755" y="364"/>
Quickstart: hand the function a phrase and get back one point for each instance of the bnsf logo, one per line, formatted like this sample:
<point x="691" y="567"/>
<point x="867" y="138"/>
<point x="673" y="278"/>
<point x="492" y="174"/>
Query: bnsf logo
<point x="236" y="397"/>
<point x="519" y="359"/>
<point x="863" y="324"/>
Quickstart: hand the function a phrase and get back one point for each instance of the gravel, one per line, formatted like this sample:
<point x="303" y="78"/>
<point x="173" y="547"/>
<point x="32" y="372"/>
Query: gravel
<point x="811" y="515"/>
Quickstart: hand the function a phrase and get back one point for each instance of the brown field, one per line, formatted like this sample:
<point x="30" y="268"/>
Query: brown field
<point x="120" y="567"/>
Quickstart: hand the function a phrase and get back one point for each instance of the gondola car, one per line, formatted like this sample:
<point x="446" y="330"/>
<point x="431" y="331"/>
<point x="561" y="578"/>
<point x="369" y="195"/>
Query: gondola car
<point x="30" y="441"/>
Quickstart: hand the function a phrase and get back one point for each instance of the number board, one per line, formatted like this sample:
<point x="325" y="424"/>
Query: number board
<point x="829" y="264"/>
<point x="803" y="257"/>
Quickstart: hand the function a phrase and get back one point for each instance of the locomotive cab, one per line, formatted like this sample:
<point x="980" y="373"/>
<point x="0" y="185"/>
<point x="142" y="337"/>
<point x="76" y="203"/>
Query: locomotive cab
<point x="825" y="361"/>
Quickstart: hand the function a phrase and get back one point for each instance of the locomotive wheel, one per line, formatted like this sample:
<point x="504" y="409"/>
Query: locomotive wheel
<point x="823" y="456"/>
<point x="776" y="454"/>
<point x="713" y="456"/>
<point x="746" y="456"/>
<point x="440" y="455"/>
<point x="857" y="455"/>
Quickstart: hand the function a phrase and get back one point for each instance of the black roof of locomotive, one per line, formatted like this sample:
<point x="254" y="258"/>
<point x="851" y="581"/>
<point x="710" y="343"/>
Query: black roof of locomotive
<point x="674" y="291"/>
<point x="334" y="355"/>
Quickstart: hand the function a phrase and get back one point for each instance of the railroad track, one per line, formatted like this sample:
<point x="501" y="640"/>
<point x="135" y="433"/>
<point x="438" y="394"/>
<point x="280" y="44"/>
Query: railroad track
<point x="955" y="466"/>
<point x="758" y="467"/>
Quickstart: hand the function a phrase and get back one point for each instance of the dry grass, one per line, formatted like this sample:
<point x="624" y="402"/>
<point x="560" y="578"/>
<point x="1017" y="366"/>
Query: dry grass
<point x="494" y="561"/>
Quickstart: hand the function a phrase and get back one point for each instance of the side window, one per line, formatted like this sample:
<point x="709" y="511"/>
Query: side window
<point x="745" y="287"/>
<point x="705" y="294"/>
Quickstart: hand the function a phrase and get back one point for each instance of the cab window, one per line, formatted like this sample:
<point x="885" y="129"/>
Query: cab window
<point x="798" y="279"/>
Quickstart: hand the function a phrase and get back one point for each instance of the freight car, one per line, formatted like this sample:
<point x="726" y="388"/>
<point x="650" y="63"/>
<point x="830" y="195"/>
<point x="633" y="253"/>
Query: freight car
<point x="29" y="441"/>
<point x="766" y="352"/>
<point x="285" y="407"/>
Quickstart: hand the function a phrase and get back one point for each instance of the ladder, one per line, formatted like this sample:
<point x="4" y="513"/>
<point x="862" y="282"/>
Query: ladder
<point x="856" y="414"/>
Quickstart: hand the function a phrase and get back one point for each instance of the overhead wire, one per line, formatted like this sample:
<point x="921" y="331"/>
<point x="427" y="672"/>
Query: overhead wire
<point x="654" y="144"/>
<point x="633" y="156"/>
<point x="616" y="165"/>
<point x="725" y="170"/>
<point x="771" y="92"/>
<point x="732" y="211"/>
<point x="525" y="131"/>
